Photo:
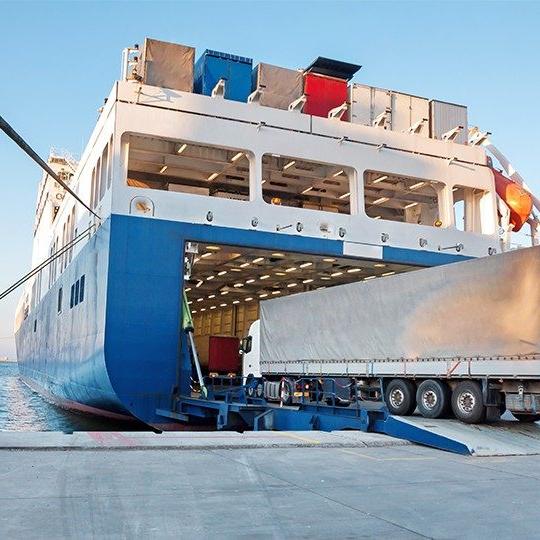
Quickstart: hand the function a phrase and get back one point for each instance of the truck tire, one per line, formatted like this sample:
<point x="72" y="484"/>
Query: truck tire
<point x="400" y="397"/>
<point x="468" y="402"/>
<point x="433" y="398"/>
<point x="522" y="417"/>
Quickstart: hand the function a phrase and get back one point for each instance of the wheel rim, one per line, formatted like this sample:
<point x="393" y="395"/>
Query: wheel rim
<point x="466" y="402"/>
<point x="285" y="392"/>
<point x="430" y="399"/>
<point x="397" y="397"/>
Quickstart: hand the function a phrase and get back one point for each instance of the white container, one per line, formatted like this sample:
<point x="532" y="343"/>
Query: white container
<point x="447" y="116"/>
<point x="404" y="110"/>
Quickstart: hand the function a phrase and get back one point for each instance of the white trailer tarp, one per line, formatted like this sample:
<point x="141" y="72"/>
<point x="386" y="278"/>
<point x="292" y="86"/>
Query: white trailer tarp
<point x="485" y="307"/>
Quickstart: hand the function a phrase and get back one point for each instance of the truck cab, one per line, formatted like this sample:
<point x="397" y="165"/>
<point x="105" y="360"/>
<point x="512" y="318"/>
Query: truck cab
<point x="250" y="350"/>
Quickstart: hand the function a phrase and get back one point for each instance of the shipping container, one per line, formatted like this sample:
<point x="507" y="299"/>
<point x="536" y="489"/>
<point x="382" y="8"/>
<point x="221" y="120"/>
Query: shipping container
<point x="325" y="85"/>
<point x="447" y="116"/>
<point x="224" y="354"/>
<point x="323" y="94"/>
<point x="404" y="110"/>
<point x="408" y="111"/>
<point x="167" y="65"/>
<point x="278" y="86"/>
<point x="234" y="70"/>
<point x="368" y="102"/>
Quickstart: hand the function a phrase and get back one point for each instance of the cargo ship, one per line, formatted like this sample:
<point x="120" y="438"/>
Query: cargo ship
<point x="233" y="184"/>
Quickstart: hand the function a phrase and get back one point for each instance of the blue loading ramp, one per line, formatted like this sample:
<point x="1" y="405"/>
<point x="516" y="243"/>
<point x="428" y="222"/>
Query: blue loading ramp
<point x="233" y="408"/>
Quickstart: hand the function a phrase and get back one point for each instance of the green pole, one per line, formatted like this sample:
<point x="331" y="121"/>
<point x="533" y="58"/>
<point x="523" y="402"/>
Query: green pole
<point x="187" y="326"/>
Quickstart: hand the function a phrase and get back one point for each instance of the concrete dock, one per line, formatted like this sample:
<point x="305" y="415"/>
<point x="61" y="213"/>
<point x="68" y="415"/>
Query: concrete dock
<point x="258" y="485"/>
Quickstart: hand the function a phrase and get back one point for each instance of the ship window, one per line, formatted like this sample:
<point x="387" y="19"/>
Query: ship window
<point x="76" y="299"/>
<point x="96" y="184"/>
<point x="404" y="199"/>
<point x="59" y="305"/>
<point x="98" y="181"/>
<point x="35" y="325"/>
<point x="72" y="233"/>
<point x="55" y="262"/>
<point x="468" y="208"/>
<point x="72" y="297"/>
<point x="69" y="238"/>
<point x="185" y="167"/>
<point x="81" y="289"/>
<point x="109" y="176"/>
<point x="104" y="171"/>
<point x="93" y="189"/>
<point x="298" y="183"/>
<point x="63" y="255"/>
<point x="51" y="251"/>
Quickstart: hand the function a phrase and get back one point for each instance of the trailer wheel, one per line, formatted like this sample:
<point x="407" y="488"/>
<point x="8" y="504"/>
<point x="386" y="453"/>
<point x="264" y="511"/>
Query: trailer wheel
<point x="526" y="417"/>
<point x="285" y="392"/>
<point x="433" y="398"/>
<point x="468" y="402"/>
<point x="400" y="397"/>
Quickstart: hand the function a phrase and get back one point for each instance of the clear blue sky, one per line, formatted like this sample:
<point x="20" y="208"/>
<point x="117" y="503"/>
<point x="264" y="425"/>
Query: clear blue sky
<point x="59" y="60"/>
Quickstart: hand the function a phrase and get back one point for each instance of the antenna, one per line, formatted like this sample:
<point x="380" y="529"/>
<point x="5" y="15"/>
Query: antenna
<point x="17" y="139"/>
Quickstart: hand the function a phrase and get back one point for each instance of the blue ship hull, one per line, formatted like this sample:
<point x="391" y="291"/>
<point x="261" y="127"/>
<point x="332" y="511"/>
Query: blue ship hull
<point x="121" y="351"/>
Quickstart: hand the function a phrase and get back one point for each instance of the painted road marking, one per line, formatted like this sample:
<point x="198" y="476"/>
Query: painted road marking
<point x="359" y="454"/>
<point x="297" y="437"/>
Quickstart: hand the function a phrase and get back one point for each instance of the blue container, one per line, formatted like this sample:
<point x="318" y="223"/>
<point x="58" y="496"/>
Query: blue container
<point x="235" y="70"/>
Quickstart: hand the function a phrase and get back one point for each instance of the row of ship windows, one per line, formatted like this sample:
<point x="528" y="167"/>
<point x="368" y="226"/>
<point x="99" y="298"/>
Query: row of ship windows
<point x="62" y="245"/>
<point x="198" y="169"/>
<point x="76" y="296"/>
<point x="101" y="175"/>
<point x="101" y="181"/>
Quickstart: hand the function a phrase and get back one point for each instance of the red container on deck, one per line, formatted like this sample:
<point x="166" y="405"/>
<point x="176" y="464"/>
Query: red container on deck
<point x="224" y="354"/>
<point x="323" y="94"/>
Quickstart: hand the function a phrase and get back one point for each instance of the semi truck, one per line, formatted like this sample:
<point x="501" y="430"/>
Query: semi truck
<point x="458" y="340"/>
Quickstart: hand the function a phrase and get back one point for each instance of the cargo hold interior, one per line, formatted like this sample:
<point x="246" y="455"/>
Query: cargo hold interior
<point x="227" y="283"/>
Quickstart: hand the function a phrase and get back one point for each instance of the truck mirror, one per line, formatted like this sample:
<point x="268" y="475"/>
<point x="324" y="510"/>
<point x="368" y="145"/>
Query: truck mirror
<point x="245" y="346"/>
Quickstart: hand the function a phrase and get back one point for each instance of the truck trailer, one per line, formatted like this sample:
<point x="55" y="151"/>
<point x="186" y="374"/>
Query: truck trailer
<point x="460" y="339"/>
